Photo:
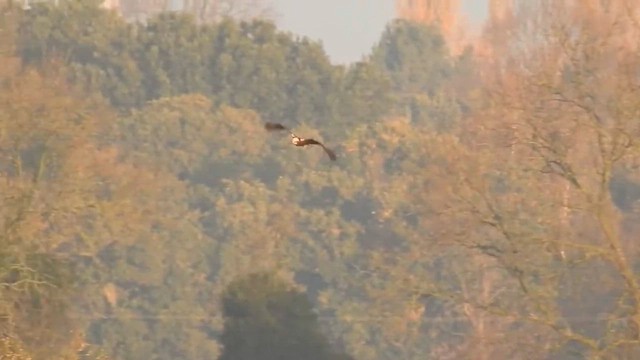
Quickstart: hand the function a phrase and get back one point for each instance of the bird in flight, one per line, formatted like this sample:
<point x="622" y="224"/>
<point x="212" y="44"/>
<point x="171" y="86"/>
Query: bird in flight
<point x="298" y="141"/>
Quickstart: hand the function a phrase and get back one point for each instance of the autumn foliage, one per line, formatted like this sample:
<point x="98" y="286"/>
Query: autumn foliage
<point x="483" y="206"/>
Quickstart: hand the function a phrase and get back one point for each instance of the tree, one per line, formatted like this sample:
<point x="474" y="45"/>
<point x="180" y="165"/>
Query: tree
<point x="266" y="318"/>
<point x="414" y="55"/>
<point x="204" y="11"/>
<point x="416" y="59"/>
<point x="43" y="130"/>
<point x="518" y="205"/>
<point x="83" y="35"/>
<point x="175" y="53"/>
<point x="245" y="64"/>
<point x="365" y="96"/>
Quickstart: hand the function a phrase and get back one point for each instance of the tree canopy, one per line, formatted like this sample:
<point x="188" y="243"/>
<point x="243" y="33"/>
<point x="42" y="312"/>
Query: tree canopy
<point x="483" y="205"/>
<point x="266" y="318"/>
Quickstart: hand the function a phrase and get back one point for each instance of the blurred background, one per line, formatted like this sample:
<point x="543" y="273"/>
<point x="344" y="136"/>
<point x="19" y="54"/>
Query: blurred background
<point x="484" y="204"/>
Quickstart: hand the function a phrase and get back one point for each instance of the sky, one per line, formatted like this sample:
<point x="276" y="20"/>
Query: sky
<point x="348" y="29"/>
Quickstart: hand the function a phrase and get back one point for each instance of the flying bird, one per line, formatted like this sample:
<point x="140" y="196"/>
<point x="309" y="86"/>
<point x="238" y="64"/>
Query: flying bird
<point x="298" y="141"/>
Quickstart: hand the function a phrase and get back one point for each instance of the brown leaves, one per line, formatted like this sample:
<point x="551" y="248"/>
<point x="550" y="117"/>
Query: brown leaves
<point x="567" y="106"/>
<point x="66" y="193"/>
<point x="41" y="129"/>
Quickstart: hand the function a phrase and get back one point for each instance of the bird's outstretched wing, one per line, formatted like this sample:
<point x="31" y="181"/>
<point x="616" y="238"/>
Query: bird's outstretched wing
<point x="329" y="152"/>
<point x="270" y="126"/>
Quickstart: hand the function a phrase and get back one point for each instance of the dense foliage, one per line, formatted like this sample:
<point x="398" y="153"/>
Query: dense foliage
<point x="265" y="318"/>
<point x="481" y="206"/>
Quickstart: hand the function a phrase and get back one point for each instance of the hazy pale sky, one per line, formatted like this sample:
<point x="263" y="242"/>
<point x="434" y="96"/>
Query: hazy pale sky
<point x="348" y="29"/>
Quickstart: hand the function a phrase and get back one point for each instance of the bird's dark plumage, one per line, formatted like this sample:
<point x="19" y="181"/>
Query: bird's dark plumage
<point x="274" y="126"/>
<point x="304" y="142"/>
<point x="298" y="141"/>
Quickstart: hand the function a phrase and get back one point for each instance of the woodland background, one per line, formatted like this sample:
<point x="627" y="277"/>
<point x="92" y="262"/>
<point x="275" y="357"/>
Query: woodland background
<point x="484" y="204"/>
